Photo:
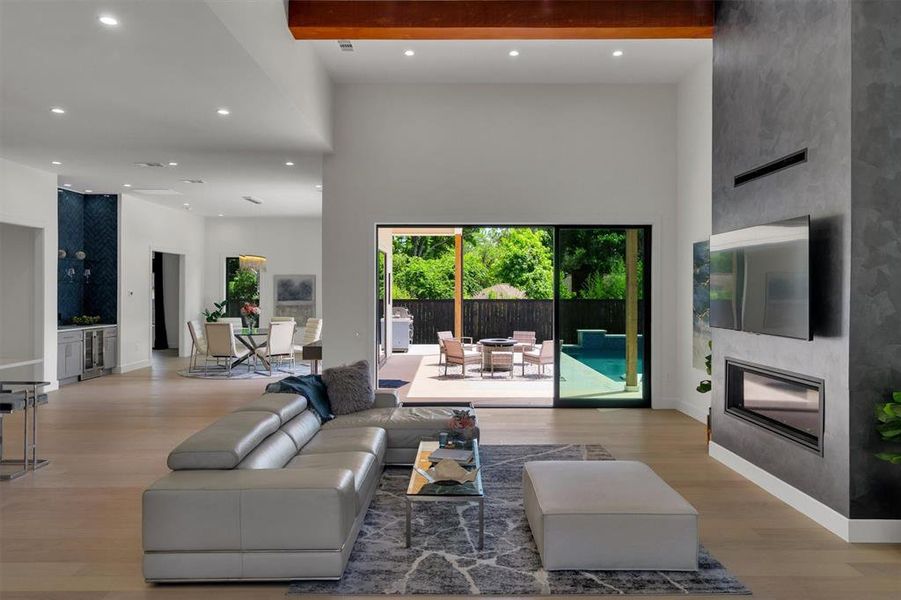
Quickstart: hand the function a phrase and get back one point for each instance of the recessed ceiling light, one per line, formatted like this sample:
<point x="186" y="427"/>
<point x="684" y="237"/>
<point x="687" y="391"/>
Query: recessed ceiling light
<point x="55" y="162"/>
<point x="289" y="164"/>
<point x="57" y="110"/>
<point x="409" y="52"/>
<point x="221" y="215"/>
<point x="187" y="205"/>
<point x="224" y="112"/>
<point x="318" y="186"/>
<point x="126" y="185"/>
<point x="67" y="185"/>
<point x="617" y="53"/>
<point x="109" y="20"/>
<point x="173" y="164"/>
<point x="513" y="53"/>
<point x="88" y="191"/>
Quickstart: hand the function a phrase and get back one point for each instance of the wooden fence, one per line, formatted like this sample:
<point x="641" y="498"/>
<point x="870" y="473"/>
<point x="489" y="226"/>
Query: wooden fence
<point x="498" y="318"/>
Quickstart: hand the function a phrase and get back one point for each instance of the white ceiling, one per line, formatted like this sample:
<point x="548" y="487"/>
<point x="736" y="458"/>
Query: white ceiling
<point x="148" y="90"/>
<point x="488" y="61"/>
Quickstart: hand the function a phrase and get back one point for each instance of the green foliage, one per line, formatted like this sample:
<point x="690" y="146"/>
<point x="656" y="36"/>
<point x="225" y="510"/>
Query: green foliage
<point x="706" y="385"/>
<point x="217" y="313"/>
<point x="888" y="415"/>
<point x="244" y="286"/>
<point x="525" y="261"/>
<point x="612" y="284"/>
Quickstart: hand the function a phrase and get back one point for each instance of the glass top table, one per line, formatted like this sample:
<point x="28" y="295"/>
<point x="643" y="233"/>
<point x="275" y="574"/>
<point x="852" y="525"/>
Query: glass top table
<point x="420" y="489"/>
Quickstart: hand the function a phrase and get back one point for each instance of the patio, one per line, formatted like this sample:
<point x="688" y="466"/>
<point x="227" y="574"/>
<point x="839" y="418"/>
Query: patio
<point x="427" y="382"/>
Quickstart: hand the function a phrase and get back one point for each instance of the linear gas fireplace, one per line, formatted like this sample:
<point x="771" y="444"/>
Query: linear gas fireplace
<point x="787" y="404"/>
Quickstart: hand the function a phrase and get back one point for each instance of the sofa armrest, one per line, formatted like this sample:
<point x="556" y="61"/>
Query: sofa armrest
<point x="386" y="398"/>
<point x="253" y="509"/>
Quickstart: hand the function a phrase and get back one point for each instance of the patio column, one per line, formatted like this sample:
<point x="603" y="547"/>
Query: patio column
<point x="631" y="310"/>
<point x="458" y="283"/>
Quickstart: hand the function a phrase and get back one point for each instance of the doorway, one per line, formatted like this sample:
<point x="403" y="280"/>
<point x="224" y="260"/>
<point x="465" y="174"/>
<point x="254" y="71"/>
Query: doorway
<point x="165" y="301"/>
<point x="581" y="292"/>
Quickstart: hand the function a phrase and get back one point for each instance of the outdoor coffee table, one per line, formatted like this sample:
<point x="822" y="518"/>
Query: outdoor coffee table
<point x="420" y="490"/>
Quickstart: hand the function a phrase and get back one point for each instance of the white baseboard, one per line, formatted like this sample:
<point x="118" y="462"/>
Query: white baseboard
<point x="140" y="364"/>
<point x="851" y="530"/>
<point x="699" y="413"/>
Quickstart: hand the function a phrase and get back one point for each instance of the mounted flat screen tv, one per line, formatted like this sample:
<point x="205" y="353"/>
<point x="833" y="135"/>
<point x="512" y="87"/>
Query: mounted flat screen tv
<point x="760" y="279"/>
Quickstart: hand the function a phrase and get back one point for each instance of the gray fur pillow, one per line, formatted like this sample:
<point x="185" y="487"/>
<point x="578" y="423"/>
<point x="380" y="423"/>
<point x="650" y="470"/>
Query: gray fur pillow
<point x="349" y="388"/>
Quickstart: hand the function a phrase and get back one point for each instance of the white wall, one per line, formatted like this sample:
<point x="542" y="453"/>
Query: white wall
<point x="171" y="296"/>
<point x="28" y="198"/>
<point x="145" y="227"/>
<point x="694" y="146"/>
<point x="19" y="313"/>
<point x="504" y="154"/>
<point x="291" y="245"/>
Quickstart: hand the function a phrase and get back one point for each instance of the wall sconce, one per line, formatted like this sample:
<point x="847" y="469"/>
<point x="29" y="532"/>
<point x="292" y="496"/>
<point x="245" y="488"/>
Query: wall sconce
<point x="87" y="275"/>
<point x="70" y="273"/>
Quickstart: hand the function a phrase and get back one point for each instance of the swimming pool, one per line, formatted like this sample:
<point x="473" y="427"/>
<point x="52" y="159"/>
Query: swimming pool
<point x="608" y="359"/>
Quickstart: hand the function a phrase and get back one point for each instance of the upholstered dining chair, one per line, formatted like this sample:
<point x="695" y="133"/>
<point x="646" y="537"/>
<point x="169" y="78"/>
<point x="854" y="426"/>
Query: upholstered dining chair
<point x="312" y="333"/>
<point x="220" y="344"/>
<point x="541" y="357"/>
<point x="279" y="345"/>
<point x="237" y="322"/>
<point x="457" y="354"/>
<point x="198" y="343"/>
<point x="448" y="335"/>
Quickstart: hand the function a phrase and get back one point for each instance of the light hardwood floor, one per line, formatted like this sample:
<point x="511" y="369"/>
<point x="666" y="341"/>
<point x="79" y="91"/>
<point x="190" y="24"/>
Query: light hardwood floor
<point x="73" y="530"/>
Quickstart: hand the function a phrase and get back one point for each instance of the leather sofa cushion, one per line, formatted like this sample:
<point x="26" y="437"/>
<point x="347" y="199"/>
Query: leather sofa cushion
<point x="225" y="443"/>
<point x="273" y="453"/>
<point x="359" y="439"/>
<point x="406" y="425"/>
<point x="302" y="428"/>
<point x="285" y="405"/>
<point x="363" y="465"/>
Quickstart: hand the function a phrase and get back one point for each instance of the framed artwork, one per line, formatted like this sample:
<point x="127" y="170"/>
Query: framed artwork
<point x="700" y="337"/>
<point x="295" y="296"/>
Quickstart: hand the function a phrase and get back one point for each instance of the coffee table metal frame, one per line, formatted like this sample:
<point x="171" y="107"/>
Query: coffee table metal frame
<point x="429" y="446"/>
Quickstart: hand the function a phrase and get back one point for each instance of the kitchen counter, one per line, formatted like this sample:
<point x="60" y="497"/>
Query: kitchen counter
<point x="83" y="327"/>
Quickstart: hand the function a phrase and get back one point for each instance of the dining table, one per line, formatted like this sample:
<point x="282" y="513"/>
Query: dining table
<point x="252" y="338"/>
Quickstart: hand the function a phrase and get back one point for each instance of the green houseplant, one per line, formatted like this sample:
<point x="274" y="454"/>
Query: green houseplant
<point x="218" y="312"/>
<point x="888" y="415"/>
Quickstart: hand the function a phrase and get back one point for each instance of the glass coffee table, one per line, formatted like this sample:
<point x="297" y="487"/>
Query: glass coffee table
<point x="421" y="490"/>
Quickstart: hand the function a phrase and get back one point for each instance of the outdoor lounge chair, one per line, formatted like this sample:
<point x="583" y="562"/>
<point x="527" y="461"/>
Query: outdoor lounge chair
<point x="525" y="341"/>
<point x="448" y="335"/>
<point x="456" y="354"/>
<point x="542" y="356"/>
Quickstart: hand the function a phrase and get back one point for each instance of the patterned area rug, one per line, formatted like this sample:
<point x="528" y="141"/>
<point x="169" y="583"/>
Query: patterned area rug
<point x="444" y="559"/>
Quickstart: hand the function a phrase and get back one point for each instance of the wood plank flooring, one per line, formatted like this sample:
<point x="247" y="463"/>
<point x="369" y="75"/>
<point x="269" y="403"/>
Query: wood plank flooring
<point x="73" y="530"/>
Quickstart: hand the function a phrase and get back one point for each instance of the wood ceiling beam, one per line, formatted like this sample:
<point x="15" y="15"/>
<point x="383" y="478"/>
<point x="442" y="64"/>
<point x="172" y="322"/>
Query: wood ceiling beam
<point x="499" y="19"/>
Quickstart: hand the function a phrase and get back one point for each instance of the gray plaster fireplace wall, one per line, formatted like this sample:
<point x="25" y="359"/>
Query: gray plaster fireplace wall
<point x="823" y="75"/>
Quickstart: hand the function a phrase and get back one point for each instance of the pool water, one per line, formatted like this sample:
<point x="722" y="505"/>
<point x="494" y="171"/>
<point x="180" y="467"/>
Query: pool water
<point x="610" y="362"/>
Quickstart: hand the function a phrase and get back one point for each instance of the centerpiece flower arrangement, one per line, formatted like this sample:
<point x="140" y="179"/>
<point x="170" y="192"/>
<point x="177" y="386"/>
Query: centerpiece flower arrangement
<point x="462" y="426"/>
<point x="251" y="313"/>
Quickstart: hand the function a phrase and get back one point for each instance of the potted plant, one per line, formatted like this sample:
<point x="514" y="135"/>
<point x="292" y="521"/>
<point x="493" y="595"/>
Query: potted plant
<point x="888" y="414"/>
<point x="251" y="314"/>
<point x="462" y="428"/>
<point x="217" y="313"/>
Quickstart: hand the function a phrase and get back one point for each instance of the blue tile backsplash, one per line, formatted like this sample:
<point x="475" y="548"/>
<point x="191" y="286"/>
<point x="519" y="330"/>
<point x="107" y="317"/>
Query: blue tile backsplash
<point x="89" y="223"/>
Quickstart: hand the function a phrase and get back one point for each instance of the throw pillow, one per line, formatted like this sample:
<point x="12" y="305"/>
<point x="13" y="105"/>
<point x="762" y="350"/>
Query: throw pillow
<point x="349" y="388"/>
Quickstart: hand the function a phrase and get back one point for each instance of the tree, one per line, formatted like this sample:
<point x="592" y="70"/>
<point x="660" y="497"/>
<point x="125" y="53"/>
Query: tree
<point x="524" y="261"/>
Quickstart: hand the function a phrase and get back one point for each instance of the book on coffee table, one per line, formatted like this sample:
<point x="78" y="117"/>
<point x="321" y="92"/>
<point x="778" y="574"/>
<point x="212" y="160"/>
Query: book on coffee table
<point x="461" y="456"/>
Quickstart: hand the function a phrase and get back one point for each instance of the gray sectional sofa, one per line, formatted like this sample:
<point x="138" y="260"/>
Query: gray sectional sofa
<point x="269" y="492"/>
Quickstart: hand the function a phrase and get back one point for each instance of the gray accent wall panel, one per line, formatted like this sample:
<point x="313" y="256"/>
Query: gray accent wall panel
<point x="782" y="82"/>
<point x="875" y="345"/>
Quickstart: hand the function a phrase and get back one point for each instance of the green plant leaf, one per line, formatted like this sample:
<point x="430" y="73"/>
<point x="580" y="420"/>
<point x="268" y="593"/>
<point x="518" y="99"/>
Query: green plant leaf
<point x="891" y="457"/>
<point x="890" y="431"/>
<point x="896" y="396"/>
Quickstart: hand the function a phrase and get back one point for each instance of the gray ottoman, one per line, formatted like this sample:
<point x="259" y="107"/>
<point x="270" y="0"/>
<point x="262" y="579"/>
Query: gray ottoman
<point x="605" y="515"/>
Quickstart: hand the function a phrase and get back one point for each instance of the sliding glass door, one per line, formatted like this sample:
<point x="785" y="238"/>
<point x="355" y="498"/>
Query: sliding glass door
<point x="602" y="316"/>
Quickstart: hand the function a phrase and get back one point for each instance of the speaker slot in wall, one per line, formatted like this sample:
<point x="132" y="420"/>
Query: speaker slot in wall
<point x="790" y="160"/>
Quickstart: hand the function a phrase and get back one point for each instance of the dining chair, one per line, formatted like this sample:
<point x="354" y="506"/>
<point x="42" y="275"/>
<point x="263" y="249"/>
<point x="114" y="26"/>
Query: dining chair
<point x="198" y="344"/>
<point x="312" y="333"/>
<point x="456" y="354"/>
<point x="541" y="357"/>
<point x="279" y="345"/>
<point x="220" y="343"/>
<point x="238" y="322"/>
<point x="525" y="340"/>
